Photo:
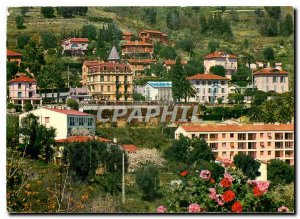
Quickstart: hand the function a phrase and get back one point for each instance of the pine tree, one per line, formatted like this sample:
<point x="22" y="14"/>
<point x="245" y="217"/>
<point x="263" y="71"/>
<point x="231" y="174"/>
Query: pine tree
<point x="178" y="80"/>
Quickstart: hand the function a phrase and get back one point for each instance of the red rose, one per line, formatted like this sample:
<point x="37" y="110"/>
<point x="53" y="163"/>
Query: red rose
<point x="257" y="192"/>
<point x="184" y="173"/>
<point x="237" y="207"/>
<point x="228" y="196"/>
<point x="225" y="183"/>
<point x="212" y="180"/>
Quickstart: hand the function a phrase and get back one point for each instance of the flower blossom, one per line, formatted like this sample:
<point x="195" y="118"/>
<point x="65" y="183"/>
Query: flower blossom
<point x="263" y="185"/>
<point x="193" y="208"/>
<point x="283" y="209"/>
<point x="228" y="196"/>
<point x="226" y="162"/>
<point x="219" y="200"/>
<point x="257" y="192"/>
<point x="225" y="183"/>
<point x="161" y="209"/>
<point x="205" y="174"/>
<point x="184" y="173"/>
<point x="213" y="193"/>
<point x="228" y="176"/>
<point x="237" y="207"/>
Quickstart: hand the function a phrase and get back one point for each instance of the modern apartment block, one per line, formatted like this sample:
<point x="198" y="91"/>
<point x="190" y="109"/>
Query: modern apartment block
<point x="262" y="141"/>
<point x="111" y="80"/>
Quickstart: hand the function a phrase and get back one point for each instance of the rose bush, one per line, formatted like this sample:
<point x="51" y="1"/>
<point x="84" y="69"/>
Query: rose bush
<point x="232" y="193"/>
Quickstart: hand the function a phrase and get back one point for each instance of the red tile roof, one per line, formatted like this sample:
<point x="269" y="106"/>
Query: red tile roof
<point x="12" y="53"/>
<point x="110" y="67"/>
<point x="79" y="40"/>
<point x="219" y="54"/>
<point x="238" y="128"/>
<point x="268" y="71"/>
<point x="22" y="78"/>
<point x="172" y="62"/>
<point x="92" y="63"/>
<point x="129" y="147"/>
<point x="137" y="43"/>
<point x="82" y="139"/>
<point x="141" y="60"/>
<point x="69" y="112"/>
<point x="206" y="77"/>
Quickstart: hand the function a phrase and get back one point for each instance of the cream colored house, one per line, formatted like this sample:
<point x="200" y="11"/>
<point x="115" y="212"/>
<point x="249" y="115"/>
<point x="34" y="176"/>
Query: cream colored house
<point x="63" y="120"/>
<point x="271" y="79"/>
<point x="111" y="80"/>
<point x="229" y="61"/>
<point x="262" y="141"/>
<point x="209" y="88"/>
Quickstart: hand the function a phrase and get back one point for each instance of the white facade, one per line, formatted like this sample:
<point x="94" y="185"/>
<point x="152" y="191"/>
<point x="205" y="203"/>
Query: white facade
<point x="209" y="88"/>
<point x="75" y="45"/>
<point x="158" y="91"/>
<point x="269" y="79"/>
<point x="63" y="120"/>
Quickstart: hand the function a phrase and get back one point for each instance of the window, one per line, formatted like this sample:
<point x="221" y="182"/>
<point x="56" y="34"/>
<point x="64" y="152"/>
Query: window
<point x="47" y="119"/>
<point x="101" y="78"/>
<point x="203" y="90"/>
<point x="101" y="88"/>
<point x="224" y="154"/>
<point x="117" y="68"/>
<point x="209" y="82"/>
<point x="223" y="90"/>
<point x="209" y="90"/>
<point x="223" y="135"/>
<point x="104" y="68"/>
<point x="261" y="135"/>
<point x="30" y="85"/>
<point x="274" y="79"/>
<point x="30" y="94"/>
<point x="269" y="143"/>
<point x="108" y="78"/>
<point x="193" y="135"/>
<point x="231" y="135"/>
<point x="282" y="79"/>
<point x="203" y="82"/>
<point x="19" y="85"/>
<point x="198" y="90"/>
<point x="261" y="153"/>
<point x="19" y="94"/>
<point x="108" y="88"/>
<point x="197" y="82"/>
<point x="72" y="121"/>
<point x="224" y="145"/>
<point x="269" y="152"/>
<point x="222" y="82"/>
<point x="80" y="121"/>
<point x="90" y="121"/>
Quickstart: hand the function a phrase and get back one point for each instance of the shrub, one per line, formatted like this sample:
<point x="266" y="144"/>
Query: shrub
<point x="247" y="164"/>
<point x="18" y="108"/>
<point x="28" y="107"/>
<point x="73" y="104"/>
<point x="10" y="106"/>
<point x="280" y="172"/>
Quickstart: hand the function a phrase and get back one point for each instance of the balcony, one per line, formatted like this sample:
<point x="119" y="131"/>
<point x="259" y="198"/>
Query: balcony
<point x="251" y="136"/>
<point x="242" y="146"/>
<point x="278" y="136"/>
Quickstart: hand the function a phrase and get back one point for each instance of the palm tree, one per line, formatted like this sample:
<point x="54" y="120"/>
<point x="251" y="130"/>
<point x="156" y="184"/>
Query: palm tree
<point x="189" y="90"/>
<point x="256" y="114"/>
<point x="247" y="58"/>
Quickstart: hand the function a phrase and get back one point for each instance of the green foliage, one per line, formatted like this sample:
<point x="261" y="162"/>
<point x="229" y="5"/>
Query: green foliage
<point x="247" y="164"/>
<point x="20" y="22"/>
<point x="11" y="69"/>
<point x="147" y="179"/>
<point x="48" y="39"/>
<point x="28" y="106"/>
<point x="24" y="10"/>
<point x="280" y="172"/>
<point x="138" y="96"/>
<point x="89" y="31"/>
<point x="235" y="98"/>
<point x="218" y="70"/>
<point x="178" y="78"/>
<point x="241" y="77"/>
<point x="12" y="129"/>
<point x="189" y="151"/>
<point x="47" y="12"/>
<point x="150" y="15"/>
<point x="18" y="108"/>
<point x="69" y="12"/>
<point x="84" y="158"/>
<point x="37" y="139"/>
<point x="216" y="25"/>
<point x="73" y="104"/>
<point x="173" y="19"/>
<point x="23" y="40"/>
<point x="167" y="52"/>
<point x="213" y="46"/>
<point x="274" y="12"/>
<point x="110" y="183"/>
<point x="288" y="25"/>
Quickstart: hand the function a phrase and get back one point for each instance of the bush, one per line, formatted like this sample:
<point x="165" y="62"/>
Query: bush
<point x="28" y="107"/>
<point x="20" y="21"/>
<point x="147" y="179"/>
<point x="47" y="12"/>
<point x="18" y="108"/>
<point x="73" y="104"/>
<point x="280" y="172"/>
<point x="10" y="106"/>
<point x="247" y="164"/>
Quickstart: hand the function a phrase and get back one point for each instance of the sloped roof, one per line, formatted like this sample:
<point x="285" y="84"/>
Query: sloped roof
<point x="206" y="77"/>
<point x="12" y="53"/>
<point x="22" y="78"/>
<point x="141" y="60"/>
<point x="137" y="43"/>
<point x="82" y="139"/>
<point x="113" y="54"/>
<point x="172" y="62"/>
<point x="157" y="84"/>
<point x="69" y="112"/>
<point x="127" y="33"/>
<point x="153" y="31"/>
<point x="270" y="71"/>
<point x="110" y="67"/>
<point x="237" y="128"/>
<point x="129" y="147"/>
<point x="79" y="40"/>
<point x="219" y="54"/>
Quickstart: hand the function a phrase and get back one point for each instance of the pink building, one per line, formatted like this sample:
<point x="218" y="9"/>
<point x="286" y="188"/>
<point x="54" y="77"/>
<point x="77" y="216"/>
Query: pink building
<point x="262" y="141"/>
<point x="13" y="56"/>
<point x="23" y="90"/>
<point x="271" y="79"/>
<point x="75" y="46"/>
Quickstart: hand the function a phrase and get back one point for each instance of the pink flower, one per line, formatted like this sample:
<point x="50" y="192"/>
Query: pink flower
<point x="213" y="193"/>
<point x="193" y="208"/>
<point x="219" y="200"/>
<point x="263" y="185"/>
<point x="283" y="209"/>
<point x="226" y="162"/>
<point x="161" y="209"/>
<point x="228" y="176"/>
<point x="251" y="182"/>
<point x="205" y="175"/>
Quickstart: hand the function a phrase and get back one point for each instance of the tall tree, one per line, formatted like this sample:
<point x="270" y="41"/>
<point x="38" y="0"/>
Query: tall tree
<point x="173" y="19"/>
<point x="269" y="53"/>
<point x="247" y="164"/>
<point x="178" y="80"/>
<point x="89" y="31"/>
<point x="47" y="12"/>
<point x="24" y="11"/>
<point x="23" y="40"/>
<point x="218" y="70"/>
<point x="20" y="21"/>
<point x="189" y="90"/>
<point x="248" y="59"/>
<point x="280" y="172"/>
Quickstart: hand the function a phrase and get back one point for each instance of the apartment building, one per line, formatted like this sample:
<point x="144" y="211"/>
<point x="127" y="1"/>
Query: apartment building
<point x="262" y="141"/>
<point x="228" y="61"/>
<point x="111" y="80"/>
<point x="133" y="49"/>
<point x="159" y="91"/>
<point x="271" y="79"/>
<point x="138" y="66"/>
<point x="209" y="88"/>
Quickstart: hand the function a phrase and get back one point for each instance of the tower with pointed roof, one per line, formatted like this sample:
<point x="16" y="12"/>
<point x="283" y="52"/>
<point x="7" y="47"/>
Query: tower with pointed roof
<point x="113" y="56"/>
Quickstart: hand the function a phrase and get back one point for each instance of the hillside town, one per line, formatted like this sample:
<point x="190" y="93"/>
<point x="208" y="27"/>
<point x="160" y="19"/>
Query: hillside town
<point x="113" y="110"/>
